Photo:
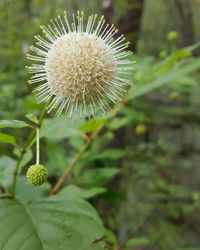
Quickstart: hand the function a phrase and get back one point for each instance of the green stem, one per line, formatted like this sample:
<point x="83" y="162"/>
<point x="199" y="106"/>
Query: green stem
<point x="30" y="141"/>
<point x="16" y="171"/>
<point x="37" y="146"/>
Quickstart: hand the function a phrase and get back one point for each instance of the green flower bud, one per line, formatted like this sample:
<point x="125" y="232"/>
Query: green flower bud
<point x="162" y="54"/>
<point x="140" y="129"/>
<point x="37" y="175"/>
<point x="173" y="95"/>
<point x="172" y="36"/>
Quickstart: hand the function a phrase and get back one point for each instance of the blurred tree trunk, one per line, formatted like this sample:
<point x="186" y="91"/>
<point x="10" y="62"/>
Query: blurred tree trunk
<point x="181" y="11"/>
<point x="108" y="9"/>
<point x="27" y="7"/>
<point x="130" y="22"/>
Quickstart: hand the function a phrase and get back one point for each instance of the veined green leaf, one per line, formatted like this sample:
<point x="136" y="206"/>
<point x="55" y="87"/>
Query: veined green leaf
<point x="55" y="223"/>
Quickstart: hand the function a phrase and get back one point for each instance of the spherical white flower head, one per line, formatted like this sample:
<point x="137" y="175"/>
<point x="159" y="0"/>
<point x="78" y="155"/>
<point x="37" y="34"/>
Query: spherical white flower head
<point x="81" y="69"/>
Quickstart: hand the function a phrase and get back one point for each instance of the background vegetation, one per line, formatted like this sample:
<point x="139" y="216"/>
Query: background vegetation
<point x="139" y="167"/>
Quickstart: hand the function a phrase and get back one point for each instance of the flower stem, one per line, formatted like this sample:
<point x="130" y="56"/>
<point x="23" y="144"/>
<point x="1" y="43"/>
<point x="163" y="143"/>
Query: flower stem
<point x="37" y="146"/>
<point x="30" y="141"/>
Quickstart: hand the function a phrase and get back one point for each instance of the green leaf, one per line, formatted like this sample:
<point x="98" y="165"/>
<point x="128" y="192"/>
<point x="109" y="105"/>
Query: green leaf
<point x="117" y="122"/>
<point x="59" y="128"/>
<point x="7" y="139"/>
<point x="55" y="223"/>
<point x="112" y="153"/>
<point x="7" y="168"/>
<point x="92" y="125"/>
<point x="137" y="242"/>
<point x="57" y="158"/>
<point x="76" y="143"/>
<point x="98" y="177"/>
<point x="26" y="192"/>
<point x="26" y="158"/>
<point x="136" y="116"/>
<point x="139" y="90"/>
<point x="13" y="124"/>
<point x="32" y="117"/>
<point x="110" y="236"/>
<point x="75" y="191"/>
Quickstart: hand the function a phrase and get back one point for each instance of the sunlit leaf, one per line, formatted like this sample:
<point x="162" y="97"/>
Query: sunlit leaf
<point x="7" y="139"/>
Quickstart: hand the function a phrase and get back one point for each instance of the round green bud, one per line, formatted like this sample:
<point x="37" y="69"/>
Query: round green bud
<point x="140" y="129"/>
<point x="173" y="96"/>
<point x="172" y="36"/>
<point x="37" y="174"/>
<point x="162" y="54"/>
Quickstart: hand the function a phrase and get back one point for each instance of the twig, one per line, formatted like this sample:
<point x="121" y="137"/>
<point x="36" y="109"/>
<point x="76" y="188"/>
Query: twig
<point x="74" y="161"/>
<point x="67" y="171"/>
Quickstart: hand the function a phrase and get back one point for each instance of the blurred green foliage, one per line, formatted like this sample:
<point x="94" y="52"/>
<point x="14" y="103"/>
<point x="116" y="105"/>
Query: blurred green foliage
<point x="142" y="171"/>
